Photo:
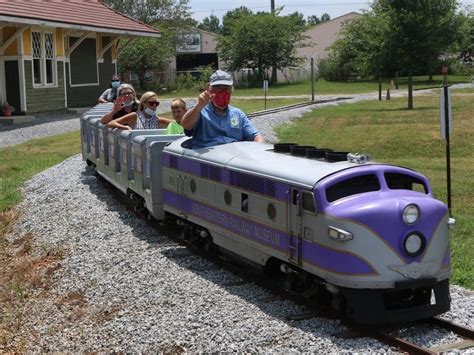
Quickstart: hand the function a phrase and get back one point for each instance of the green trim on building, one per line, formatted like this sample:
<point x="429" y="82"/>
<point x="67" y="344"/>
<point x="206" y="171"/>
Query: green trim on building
<point x="44" y="98"/>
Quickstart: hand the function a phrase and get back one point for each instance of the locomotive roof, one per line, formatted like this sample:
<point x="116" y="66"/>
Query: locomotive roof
<point x="260" y="159"/>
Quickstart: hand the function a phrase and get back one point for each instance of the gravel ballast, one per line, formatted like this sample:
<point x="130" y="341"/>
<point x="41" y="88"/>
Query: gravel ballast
<point x="130" y="289"/>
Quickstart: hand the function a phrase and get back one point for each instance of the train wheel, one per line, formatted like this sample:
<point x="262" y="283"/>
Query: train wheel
<point x="187" y="233"/>
<point x="272" y="268"/>
<point x="210" y="248"/>
<point x="338" y="303"/>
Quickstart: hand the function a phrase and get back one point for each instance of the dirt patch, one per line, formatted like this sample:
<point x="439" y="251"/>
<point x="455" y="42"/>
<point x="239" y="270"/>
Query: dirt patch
<point x="26" y="271"/>
<point x="107" y="314"/>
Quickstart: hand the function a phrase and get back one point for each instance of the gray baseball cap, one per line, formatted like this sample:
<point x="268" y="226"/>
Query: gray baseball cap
<point x="220" y="77"/>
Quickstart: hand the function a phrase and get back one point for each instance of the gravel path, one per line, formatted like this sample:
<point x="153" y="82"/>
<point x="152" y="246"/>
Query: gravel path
<point x="44" y="126"/>
<point x="40" y="127"/>
<point x="122" y="287"/>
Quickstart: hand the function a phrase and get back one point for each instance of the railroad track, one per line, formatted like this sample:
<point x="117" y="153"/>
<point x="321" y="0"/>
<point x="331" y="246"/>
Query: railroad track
<point x="386" y="337"/>
<point x="290" y="107"/>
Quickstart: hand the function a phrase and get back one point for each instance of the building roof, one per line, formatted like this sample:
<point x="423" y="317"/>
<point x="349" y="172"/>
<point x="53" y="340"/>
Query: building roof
<point x="350" y="15"/>
<point x="322" y="36"/>
<point x="91" y="15"/>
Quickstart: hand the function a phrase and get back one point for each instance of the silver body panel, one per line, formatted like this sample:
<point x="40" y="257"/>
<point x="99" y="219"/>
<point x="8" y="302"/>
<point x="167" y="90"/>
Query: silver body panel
<point x="260" y="160"/>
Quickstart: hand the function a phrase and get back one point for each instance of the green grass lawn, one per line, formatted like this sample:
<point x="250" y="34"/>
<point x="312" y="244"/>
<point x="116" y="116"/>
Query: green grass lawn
<point x="323" y="87"/>
<point x="20" y="162"/>
<point x="393" y="134"/>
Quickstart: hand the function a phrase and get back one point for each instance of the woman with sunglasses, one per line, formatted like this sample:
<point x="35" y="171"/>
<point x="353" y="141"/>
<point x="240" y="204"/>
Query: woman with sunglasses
<point x="125" y="103"/>
<point x="145" y="118"/>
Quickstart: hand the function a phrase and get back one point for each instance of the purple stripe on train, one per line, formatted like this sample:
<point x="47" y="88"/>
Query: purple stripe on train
<point x="313" y="253"/>
<point x="247" y="181"/>
<point x="387" y="204"/>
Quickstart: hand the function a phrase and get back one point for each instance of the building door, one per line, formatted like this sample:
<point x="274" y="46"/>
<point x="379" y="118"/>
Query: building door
<point x="12" y="84"/>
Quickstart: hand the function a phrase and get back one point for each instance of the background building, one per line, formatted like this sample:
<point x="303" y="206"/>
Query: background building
<point x="320" y="38"/>
<point x="60" y="54"/>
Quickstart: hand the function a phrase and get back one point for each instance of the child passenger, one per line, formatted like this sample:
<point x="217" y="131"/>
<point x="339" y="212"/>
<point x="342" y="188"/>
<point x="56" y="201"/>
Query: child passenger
<point x="178" y="109"/>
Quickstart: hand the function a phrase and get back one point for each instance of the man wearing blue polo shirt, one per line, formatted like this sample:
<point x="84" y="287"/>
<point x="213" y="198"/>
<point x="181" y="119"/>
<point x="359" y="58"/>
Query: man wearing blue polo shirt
<point x="213" y="121"/>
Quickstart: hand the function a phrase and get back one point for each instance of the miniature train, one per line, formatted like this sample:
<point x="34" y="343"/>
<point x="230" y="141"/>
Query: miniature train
<point x="368" y="237"/>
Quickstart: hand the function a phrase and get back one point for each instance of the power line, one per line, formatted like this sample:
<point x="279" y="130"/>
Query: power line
<point x="289" y="5"/>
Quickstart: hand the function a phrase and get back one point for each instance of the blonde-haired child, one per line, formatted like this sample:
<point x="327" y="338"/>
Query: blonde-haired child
<point x="178" y="109"/>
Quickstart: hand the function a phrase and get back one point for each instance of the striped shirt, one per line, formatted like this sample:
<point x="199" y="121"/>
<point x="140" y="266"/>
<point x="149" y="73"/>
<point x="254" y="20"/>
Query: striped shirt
<point x="146" y="123"/>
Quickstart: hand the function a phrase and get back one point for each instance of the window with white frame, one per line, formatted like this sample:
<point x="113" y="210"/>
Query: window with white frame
<point x="44" y="62"/>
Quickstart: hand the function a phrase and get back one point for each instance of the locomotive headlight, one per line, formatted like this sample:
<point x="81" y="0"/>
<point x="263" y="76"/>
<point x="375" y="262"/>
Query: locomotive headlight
<point x="414" y="244"/>
<point x="339" y="234"/>
<point x="411" y="213"/>
<point x="451" y="223"/>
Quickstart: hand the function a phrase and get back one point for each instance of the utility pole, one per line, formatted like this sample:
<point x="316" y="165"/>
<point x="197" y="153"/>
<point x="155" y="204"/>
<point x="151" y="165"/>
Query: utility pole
<point x="273" y="78"/>
<point x="312" y="79"/>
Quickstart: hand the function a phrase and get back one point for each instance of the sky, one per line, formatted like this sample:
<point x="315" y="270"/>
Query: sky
<point x="204" y="8"/>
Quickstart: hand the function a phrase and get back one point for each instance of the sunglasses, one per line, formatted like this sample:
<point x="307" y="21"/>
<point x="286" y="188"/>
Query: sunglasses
<point x="115" y="81"/>
<point x="153" y="103"/>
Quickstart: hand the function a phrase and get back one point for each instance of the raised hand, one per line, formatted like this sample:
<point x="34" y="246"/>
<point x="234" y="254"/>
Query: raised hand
<point x="118" y="104"/>
<point x="205" y="97"/>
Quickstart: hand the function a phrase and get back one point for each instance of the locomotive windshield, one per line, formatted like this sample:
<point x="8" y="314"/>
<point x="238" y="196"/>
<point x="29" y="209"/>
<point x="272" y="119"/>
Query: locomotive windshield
<point x="397" y="181"/>
<point x="352" y="186"/>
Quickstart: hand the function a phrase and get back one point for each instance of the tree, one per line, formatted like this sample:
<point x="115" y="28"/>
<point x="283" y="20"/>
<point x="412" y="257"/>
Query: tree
<point x="362" y="49"/>
<point x="399" y="35"/>
<point x="466" y="46"/>
<point x="210" y="24"/>
<point x="298" y="18"/>
<point x="325" y="17"/>
<point x="168" y="16"/>
<point x="420" y="31"/>
<point x="313" y="20"/>
<point x="147" y="54"/>
<point x="173" y="13"/>
<point x="231" y="16"/>
<point x="261" y="41"/>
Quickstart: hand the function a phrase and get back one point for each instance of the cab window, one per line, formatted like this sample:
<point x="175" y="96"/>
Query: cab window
<point x="307" y="201"/>
<point x="352" y="186"/>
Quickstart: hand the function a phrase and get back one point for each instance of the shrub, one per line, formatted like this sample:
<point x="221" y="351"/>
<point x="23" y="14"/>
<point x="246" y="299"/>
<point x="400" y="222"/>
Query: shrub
<point x="185" y="81"/>
<point x="332" y="69"/>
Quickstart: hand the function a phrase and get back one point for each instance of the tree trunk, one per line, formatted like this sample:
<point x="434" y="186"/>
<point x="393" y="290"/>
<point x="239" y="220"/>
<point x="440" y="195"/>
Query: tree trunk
<point x="380" y="87"/>
<point x="430" y="78"/>
<point x="410" y="90"/>
<point x="274" y="79"/>
<point x="141" y="80"/>
<point x="396" y="80"/>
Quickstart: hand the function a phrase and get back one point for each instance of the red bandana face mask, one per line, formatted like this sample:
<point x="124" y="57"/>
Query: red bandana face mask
<point x="222" y="98"/>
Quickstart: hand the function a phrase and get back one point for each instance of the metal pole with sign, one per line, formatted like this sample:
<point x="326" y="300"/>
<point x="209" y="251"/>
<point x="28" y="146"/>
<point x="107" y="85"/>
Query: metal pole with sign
<point x="265" y="89"/>
<point x="312" y="79"/>
<point x="446" y="128"/>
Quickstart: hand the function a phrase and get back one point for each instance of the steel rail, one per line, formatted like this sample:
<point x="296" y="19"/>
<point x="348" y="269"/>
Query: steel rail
<point x="291" y="107"/>
<point x="398" y="343"/>
<point x="459" y="329"/>
<point x="411" y="348"/>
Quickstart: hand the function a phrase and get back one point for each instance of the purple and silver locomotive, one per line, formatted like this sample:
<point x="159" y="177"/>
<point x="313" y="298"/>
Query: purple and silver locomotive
<point x="370" y="235"/>
<point x="369" y="238"/>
